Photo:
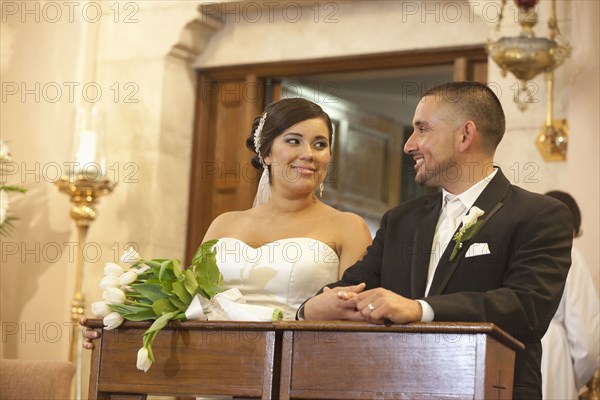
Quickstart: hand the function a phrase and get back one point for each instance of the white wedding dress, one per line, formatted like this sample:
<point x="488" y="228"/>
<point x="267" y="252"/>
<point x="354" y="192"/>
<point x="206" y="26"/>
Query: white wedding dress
<point x="281" y="274"/>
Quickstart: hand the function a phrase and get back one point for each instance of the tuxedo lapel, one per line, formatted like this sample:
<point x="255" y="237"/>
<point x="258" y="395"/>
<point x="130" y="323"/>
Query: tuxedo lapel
<point x="490" y="201"/>
<point x="423" y="239"/>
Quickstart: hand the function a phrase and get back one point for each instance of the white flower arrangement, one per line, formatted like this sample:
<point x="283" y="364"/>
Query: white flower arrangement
<point x="160" y="290"/>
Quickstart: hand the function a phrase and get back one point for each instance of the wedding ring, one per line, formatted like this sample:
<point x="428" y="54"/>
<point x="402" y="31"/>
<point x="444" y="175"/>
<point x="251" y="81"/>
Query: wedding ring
<point x="370" y="307"/>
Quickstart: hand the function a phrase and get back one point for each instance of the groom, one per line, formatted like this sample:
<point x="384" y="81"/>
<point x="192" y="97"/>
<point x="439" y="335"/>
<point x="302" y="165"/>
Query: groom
<point x="507" y="267"/>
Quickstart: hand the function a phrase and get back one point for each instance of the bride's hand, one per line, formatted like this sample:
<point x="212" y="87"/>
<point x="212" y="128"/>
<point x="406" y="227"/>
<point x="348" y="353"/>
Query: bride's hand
<point x="344" y="294"/>
<point x="335" y="304"/>
<point x="88" y="335"/>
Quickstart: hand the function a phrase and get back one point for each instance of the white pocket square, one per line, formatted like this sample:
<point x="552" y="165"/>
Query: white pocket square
<point x="477" y="249"/>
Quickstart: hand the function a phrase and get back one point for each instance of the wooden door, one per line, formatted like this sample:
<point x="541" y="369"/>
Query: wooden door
<point x="222" y="177"/>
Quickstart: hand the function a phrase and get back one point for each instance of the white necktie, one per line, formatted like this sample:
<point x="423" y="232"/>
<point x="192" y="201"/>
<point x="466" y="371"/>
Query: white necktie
<point x="454" y="208"/>
<point x="447" y="223"/>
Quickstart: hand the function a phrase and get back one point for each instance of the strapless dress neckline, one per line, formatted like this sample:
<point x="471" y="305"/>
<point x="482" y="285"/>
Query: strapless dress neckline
<point x="281" y="274"/>
<point x="291" y="239"/>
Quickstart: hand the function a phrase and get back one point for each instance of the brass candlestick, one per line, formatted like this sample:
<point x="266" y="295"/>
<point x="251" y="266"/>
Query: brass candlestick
<point x="84" y="193"/>
<point x="552" y="139"/>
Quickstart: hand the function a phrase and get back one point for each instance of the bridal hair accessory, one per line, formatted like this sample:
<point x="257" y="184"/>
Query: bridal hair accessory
<point x="263" y="193"/>
<point x="257" y="133"/>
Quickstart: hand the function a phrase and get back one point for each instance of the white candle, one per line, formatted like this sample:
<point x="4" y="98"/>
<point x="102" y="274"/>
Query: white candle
<point x="85" y="158"/>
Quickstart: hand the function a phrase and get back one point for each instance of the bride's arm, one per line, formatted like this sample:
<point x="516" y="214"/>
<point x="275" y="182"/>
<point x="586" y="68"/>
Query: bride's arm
<point x="356" y="237"/>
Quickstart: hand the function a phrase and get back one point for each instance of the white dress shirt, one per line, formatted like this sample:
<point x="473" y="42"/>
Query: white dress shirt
<point x="467" y="198"/>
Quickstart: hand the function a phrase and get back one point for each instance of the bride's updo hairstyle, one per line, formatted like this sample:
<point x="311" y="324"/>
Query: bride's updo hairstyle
<point x="281" y="115"/>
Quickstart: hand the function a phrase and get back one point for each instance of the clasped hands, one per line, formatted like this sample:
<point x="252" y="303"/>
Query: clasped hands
<point x="357" y="304"/>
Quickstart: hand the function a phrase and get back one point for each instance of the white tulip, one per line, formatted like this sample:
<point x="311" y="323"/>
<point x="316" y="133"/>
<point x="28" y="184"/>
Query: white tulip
<point x="130" y="256"/>
<point x="101" y="309"/>
<point x="113" y="296"/>
<point x="143" y="360"/>
<point x="112" y="320"/>
<point x="141" y="268"/>
<point x="112" y="269"/>
<point x="128" y="277"/>
<point x="109" y="281"/>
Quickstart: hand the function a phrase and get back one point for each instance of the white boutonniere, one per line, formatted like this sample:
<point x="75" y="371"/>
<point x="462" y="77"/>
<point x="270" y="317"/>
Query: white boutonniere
<point x="470" y="226"/>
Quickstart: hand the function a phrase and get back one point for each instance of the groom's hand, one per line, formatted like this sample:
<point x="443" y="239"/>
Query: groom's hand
<point x="337" y="303"/>
<point x="379" y="305"/>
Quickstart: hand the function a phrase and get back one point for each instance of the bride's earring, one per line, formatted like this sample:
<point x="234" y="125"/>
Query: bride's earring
<point x="321" y="187"/>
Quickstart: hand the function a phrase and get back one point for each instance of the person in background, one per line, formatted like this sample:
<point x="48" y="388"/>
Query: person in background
<point x="571" y="346"/>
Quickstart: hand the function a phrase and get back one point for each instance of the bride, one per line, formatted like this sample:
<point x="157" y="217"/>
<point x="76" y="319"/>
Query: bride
<point x="290" y="244"/>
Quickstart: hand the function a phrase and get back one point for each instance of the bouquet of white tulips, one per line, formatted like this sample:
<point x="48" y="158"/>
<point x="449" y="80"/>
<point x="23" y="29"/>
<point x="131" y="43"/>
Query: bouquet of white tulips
<point x="159" y="290"/>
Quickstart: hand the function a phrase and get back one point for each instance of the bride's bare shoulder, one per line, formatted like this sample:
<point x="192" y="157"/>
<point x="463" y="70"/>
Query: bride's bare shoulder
<point x="226" y="224"/>
<point x="346" y="220"/>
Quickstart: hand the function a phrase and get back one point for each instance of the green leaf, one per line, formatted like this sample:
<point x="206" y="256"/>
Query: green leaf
<point x="180" y="317"/>
<point x="152" y="291"/>
<point x="167" y="287"/>
<point x="155" y="268"/>
<point x="153" y="280"/>
<point x="163" y="267"/>
<point x="178" y="303"/>
<point x="147" y="338"/>
<point x="161" y="322"/>
<point x="190" y="283"/>
<point x="205" y="253"/>
<point x="181" y="292"/>
<point x="126" y="309"/>
<point x="277" y="315"/>
<point x="209" y="279"/>
<point x="138" y="299"/>
<point x="162" y="306"/>
<point x="177" y="269"/>
<point x="207" y="272"/>
<point x="11" y="188"/>
<point x="166" y="271"/>
<point x="148" y="314"/>
<point x="151" y="263"/>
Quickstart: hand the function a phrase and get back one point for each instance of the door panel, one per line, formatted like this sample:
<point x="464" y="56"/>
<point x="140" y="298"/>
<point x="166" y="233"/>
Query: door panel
<point x="365" y="170"/>
<point x="223" y="178"/>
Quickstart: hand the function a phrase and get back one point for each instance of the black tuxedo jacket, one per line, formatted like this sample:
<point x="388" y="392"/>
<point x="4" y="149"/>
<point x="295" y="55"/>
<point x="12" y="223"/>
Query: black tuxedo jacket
<point x="517" y="286"/>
